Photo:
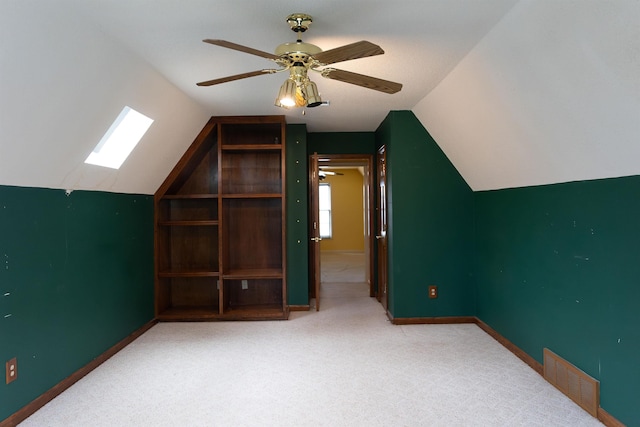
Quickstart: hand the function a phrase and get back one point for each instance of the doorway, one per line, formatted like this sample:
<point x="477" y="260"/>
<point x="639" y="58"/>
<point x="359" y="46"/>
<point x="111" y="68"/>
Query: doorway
<point x="342" y="236"/>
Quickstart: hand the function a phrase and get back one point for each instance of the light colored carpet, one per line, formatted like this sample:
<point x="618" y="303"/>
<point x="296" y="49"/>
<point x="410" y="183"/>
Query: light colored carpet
<point x="342" y="267"/>
<point x="345" y="365"/>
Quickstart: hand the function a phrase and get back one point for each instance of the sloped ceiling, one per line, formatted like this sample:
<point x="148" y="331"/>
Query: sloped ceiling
<point x="62" y="85"/>
<point x="515" y="92"/>
<point x="551" y="94"/>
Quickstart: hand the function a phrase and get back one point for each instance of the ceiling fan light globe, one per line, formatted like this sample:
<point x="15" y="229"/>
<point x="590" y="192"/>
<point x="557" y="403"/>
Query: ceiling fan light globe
<point x="301" y="100"/>
<point x="287" y="102"/>
<point x="312" y="95"/>
<point x="287" y="94"/>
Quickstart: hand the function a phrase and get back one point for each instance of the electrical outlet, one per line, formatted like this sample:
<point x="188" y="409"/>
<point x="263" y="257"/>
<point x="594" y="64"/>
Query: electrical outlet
<point x="433" y="291"/>
<point x="12" y="370"/>
<point x="245" y="284"/>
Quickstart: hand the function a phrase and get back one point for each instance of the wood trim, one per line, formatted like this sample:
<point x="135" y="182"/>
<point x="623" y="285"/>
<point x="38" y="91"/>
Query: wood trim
<point x="251" y="147"/>
<point x="47" y="396"/>
<point x="607" y="419"/>
<point x="305" y="307"/>
<point x="283" y="207"/>
<point x="22" y="414"/>
<point x="390" y="317"/>
<point x="533" y="363"/>
<point x="197" y="146"/>
<point x="432" y="320"/>
<point x="367" y="161"/>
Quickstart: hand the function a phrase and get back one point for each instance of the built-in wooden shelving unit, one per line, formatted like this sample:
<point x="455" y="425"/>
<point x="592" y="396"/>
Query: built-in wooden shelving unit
<point x="220" y="225"/>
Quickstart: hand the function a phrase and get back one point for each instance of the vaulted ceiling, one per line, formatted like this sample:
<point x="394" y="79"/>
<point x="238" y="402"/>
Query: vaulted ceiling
<point x="515" y="92"/>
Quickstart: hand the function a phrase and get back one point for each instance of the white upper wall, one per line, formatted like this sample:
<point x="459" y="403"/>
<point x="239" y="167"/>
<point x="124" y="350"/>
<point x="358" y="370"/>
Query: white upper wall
<point x="62" y="83"/>
<point x="551" y="94"/>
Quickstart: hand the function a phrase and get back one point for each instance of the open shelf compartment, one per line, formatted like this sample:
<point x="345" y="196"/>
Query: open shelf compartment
<point x="184" y="298"/>
<point x="252" y="234"/>
<point x="185" y="209"/>
<point x="198" y="173"/>
<point x="267" y="133"/>
<point x="251" y="172"/>
<point x="188" y="249"/>
<point x="249" y="298"/>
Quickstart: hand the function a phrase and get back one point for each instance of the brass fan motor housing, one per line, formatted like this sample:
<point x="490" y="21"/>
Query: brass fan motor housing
<point x="297" y="53"/>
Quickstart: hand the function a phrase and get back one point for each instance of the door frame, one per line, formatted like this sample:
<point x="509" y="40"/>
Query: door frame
<point x="381" y="228"/>
<point x="314" y="230"/>
<point x="366" y="161"/>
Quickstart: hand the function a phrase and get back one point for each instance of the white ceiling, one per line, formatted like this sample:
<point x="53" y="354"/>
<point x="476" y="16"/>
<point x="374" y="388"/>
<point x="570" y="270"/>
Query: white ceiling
<point x="515" y="92"/>
<point x="422" y="40"/>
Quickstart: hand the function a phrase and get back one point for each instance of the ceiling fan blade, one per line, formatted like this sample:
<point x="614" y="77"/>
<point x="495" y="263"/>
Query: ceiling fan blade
<point x="355" y="50"/>
<point x="369" y="82"/>
<point x="234" y="77"/>
<point x="239" y="47"/>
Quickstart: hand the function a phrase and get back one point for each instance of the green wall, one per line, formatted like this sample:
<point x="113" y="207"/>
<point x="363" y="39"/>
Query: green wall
<point x="341" y="143"/>
<point x="552" y="266"/>
<point x="430" y="216"/>
<point x="297" y="213"/>
<point x="558" y="266"/>
<point x="430" y="224"/>
<point x="299" y="146"/>
<point x="76" y="277"/>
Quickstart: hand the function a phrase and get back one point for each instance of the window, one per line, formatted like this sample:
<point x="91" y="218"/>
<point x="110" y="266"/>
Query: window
<point x="325" y="210"/>
<point x="120" y="140"/>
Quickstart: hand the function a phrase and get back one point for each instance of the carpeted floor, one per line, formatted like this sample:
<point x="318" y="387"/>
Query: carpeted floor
<point x="345" y="365"/>
<point x="342" y="267"/>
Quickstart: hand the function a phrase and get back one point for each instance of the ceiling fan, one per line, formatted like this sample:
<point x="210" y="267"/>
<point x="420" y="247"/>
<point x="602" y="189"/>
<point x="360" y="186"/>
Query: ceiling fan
<point x="323" y="173"/>
<point x="299" y="58"/>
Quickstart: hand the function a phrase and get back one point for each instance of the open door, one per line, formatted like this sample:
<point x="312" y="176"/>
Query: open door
<point x="314" y="229"/>
<point x="366" y="162"/>
<point x="381" y="235"/>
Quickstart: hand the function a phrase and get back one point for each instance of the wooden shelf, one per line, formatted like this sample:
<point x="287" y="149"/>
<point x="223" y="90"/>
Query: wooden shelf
<point x="189" y="196"/>
<point x="257" y="312"/>
<point x="252" y="147"/>
<point x="253" y="196"/>
<point x="188" y="223"/>
<point x="189" y="274"/>
<point x="189" y="313"/>
<point x="219" y="225"/>
<point x="263" y="273"/>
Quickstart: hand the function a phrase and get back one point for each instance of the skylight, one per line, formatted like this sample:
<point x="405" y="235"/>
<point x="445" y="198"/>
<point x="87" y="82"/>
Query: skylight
<point x="121" y="138"/>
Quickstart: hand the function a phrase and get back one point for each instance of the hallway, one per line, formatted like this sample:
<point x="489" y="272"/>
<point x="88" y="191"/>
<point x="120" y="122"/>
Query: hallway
<point x="342" y="275"/>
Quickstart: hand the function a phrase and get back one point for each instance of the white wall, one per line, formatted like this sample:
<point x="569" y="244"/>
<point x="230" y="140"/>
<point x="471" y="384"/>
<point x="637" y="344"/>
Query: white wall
<point x="551" y="94"/>
<point x="62" y="83"/>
